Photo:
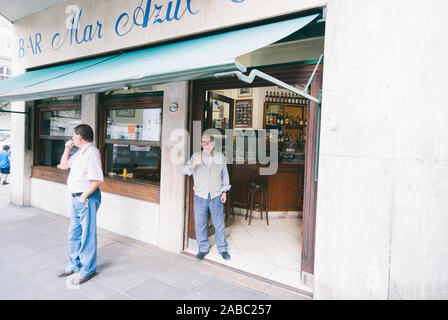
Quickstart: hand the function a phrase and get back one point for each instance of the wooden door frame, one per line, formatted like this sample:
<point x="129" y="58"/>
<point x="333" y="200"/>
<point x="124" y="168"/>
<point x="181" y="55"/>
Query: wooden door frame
<point x="310" y="184"/>
<point x="291" y="74"/>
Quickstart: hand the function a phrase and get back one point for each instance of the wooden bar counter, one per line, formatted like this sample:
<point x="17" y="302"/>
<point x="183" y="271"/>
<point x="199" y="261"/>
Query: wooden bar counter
<point x="285" y="188"/>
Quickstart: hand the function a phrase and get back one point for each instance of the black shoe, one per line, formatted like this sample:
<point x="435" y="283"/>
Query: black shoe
<point x="81" y="280"/>
<point x="4" y="182"/>
<point x="201" y="255"/>
<point x="225" y="255"/>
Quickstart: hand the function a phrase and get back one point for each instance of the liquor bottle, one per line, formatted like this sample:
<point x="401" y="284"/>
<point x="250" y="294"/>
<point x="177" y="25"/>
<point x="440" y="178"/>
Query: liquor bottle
<point x="274" y="121"/>
<point x="290" y="98"/>
<point x="286" y="138"/>
<point x="296" y="99"/>
<point x="287" y="120"/>
<point x="271" y="98"/>
<point x="277" y="98"/>
<point x="301" y="122"/>
<point x="266" y="97"/>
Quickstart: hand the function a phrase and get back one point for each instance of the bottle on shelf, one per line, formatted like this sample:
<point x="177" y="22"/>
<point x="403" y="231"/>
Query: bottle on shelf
<point x="301" y="122"/>
<point x="266" y="97"/>
<point x="276" y="98"/>
<point x="287" y="120"/>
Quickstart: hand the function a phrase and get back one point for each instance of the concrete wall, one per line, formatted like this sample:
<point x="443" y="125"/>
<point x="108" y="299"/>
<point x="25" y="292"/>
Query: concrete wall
<point x="175" y="151"/>
<point x="140" y="223"/>
<point x="383" y="174"/>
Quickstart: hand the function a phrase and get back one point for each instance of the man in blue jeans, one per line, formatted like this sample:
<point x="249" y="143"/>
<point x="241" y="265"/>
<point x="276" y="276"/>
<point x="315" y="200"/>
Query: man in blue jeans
<point x="211" y="183"/>
<point x="5" y="161"/>
<point x="84" y="180"/>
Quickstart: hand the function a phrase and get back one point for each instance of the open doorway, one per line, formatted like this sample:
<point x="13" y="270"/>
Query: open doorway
<point x="272" y="251"/>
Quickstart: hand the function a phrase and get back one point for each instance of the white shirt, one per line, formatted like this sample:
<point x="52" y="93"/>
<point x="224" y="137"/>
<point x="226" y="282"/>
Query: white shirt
<point x="85" y="166"/>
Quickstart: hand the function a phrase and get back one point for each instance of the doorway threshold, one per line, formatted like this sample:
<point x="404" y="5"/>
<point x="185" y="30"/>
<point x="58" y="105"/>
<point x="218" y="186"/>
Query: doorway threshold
<point x="306" y="294"/>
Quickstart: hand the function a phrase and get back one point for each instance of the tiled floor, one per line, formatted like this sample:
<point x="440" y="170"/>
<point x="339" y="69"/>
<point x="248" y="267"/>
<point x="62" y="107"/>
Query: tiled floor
<point x="271" y="251"/>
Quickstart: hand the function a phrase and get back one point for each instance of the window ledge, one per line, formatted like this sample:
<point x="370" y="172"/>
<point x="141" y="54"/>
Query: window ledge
<point x="126" y="188"/>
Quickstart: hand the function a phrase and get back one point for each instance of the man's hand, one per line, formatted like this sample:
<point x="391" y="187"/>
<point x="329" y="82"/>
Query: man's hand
<point x="196" y="162"/>
<point x="224" y="197"/>
<point x="63" y="165"/>
<point x="69" y="144"/>
<point x="82" y="198"/>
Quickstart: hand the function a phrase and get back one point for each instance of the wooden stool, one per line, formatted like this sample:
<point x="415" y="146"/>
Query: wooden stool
<point x="253" y="188"/>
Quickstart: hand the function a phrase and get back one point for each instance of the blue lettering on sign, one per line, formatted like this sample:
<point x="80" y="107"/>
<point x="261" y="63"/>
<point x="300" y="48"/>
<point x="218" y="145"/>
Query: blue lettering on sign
<point x="79" y="37"/>
<point x="33" y="45"/>
<point x="152" y="13"/>
<point x="144" y="15"/>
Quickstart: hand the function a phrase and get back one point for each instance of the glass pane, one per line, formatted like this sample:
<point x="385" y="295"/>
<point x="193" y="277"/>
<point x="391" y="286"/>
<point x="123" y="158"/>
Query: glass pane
<point x="2" y="70"/>
<point x="134" y="124"/>
<point x="8" y="71"/>
<point x="51" y="152"/>
<point x="220" y="114"/>
<point x="59" y="122"/>
<point x="140" y="162"/>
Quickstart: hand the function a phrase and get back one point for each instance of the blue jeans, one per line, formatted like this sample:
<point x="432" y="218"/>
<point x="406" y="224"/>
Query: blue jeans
<point x="201" y="207"/>
<point x="82" y="235"/>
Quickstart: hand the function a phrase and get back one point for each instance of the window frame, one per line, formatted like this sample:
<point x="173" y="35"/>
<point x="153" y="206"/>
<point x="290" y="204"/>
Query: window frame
<point x="152" y="100"/>
<point x="45" y="106"/>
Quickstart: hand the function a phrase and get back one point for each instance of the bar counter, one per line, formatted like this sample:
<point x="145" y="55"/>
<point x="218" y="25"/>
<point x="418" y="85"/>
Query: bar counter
<point x="285" y="187"/>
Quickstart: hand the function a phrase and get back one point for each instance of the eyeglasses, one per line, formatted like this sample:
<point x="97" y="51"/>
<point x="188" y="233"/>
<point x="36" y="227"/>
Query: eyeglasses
<point x="206" y="143"/>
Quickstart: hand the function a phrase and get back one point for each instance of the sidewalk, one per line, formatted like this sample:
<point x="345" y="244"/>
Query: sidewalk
<point x="33" y="248"/>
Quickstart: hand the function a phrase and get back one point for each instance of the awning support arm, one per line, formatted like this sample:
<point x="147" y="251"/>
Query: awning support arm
<point x="257" y="73"/>
<point x="314" y="71"/>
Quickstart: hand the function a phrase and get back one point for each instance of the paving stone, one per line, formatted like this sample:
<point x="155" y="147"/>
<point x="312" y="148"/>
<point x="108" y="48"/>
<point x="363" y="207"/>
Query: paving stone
<point x="33" y="263"/>
<point x="21" y="289"/>
<point x="120" y="277"/>
<point x="155" y="289"/>
<point x="43" y="242"/>
<point x="118" y="251"/>
<point x="182" y="277"/>
<point x="7" y="274"/>
<point x="15" y="251"/>
<point x="216" y="289"/>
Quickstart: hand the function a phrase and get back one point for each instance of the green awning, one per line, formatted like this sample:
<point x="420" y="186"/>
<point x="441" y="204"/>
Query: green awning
<point x="184" y="60"/>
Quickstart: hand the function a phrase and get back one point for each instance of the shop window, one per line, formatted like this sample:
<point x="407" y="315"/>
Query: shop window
<point x="131" y="137"/>
<point x="55" y="121"/>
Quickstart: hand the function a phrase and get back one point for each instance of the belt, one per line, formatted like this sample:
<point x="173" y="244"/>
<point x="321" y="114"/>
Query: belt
<point x="76" y="194"/>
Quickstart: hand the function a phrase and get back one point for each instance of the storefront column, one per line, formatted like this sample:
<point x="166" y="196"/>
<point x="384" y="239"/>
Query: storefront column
<point x="172" y="180"/>
<point x="89" y="113"/>
<point x="21" y="158"/>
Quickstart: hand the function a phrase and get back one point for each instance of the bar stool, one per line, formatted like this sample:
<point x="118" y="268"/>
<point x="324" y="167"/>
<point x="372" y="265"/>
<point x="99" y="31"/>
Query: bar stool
<point x="253" y="189"/>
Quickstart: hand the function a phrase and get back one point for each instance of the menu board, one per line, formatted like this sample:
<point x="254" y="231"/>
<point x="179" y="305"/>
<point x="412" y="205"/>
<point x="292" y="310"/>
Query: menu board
<point x="243" y="113"/>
